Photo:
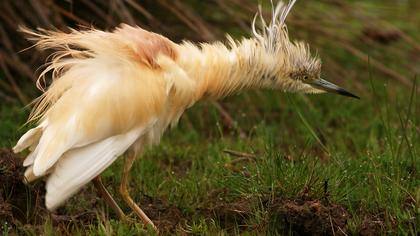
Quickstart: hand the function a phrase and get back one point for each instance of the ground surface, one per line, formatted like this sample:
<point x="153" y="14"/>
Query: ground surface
<point x="307" y="168"/>
<point x="278" y="164"/>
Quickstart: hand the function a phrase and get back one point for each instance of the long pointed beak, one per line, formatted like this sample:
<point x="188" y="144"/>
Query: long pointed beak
<point x="332" y="88"/>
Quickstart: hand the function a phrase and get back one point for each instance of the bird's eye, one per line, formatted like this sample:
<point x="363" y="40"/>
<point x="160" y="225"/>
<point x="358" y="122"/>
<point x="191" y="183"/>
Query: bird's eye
<point x="305" y="77"/>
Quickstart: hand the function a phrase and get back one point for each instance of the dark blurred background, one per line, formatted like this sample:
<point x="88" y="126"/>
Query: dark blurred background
<point x="350" y="36"/>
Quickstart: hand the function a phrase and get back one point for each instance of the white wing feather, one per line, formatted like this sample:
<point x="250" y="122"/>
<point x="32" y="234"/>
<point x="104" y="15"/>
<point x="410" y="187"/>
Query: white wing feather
<point x="30" y="138"/>
<point x="29" y="160"/>
<point x="79" y="166"/>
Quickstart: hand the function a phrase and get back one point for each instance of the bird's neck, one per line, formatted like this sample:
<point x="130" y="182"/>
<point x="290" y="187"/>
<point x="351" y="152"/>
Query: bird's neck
<point x="220" y="71"/>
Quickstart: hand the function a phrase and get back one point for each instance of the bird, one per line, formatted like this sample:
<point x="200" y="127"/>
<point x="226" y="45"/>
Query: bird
<point x="114" y="93"/>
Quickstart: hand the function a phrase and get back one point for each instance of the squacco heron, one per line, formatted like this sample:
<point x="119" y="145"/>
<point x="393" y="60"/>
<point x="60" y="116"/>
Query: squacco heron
<point x="114" y="93"/>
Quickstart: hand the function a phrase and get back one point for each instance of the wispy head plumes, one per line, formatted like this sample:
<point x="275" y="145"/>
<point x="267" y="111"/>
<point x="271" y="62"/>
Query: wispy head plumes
<point x="274" y="37"/>
<point x="275" y="33"/>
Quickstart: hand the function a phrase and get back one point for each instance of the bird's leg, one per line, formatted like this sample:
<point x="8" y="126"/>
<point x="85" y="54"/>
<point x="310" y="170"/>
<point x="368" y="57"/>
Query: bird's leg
<point x="128" y="163"/>
<point x="97" y="182"/>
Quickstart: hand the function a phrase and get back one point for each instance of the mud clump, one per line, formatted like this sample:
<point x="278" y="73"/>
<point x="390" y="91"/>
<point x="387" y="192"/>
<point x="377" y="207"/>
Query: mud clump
<point x="164" y="215"/>
<point x="19" y="203"/>
<point x="12" y="191"/>
<point x="372" y="225"/>
<point x="312" y="217"/>
<point x="232" y="215"/>
<point x="302" y="216"/>
<point x="6" y="214"/>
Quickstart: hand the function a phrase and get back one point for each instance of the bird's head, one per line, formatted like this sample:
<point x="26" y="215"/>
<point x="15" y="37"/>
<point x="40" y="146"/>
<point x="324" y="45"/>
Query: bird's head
<point x="292" y="66"/>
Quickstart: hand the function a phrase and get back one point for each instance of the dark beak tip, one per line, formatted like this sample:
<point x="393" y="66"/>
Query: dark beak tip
<point x="347" y="94"/>
<point x="355" y="97"/>
<point x="332" y="88"/>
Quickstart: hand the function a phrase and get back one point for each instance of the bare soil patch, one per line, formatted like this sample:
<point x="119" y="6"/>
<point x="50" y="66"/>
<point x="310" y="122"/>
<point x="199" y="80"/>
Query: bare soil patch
<point x="302" y="216"/>
<point x="163" y="214"/>
<point x="312" y="217"/>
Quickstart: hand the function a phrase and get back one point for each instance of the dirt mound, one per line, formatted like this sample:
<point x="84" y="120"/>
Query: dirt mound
<point x="312" y="217"/>
<point x="7" y="177"/>
<point x="232" y="215"/>
<point x="19" y="204"/>
<point x="303" y="217"/>
<point x="163" y="214"/>
<point x="12" y="189"/>
<point x="372" y="225"/>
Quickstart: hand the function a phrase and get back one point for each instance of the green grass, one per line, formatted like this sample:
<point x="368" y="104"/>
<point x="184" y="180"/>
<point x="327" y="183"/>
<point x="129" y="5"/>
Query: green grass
<point x="362" y="155"/>
<point x="366" y="150"/>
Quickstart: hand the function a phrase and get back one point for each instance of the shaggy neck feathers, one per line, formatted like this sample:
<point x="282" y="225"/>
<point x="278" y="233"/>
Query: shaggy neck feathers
<point x="220" y="70"/>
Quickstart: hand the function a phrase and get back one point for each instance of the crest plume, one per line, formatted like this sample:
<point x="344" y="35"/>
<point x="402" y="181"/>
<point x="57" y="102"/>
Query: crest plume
<point x="275" y="33"/>
<point x="274" y="37"/>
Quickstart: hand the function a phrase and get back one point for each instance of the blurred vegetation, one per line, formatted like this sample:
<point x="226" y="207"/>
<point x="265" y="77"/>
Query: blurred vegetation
<point x="347" y="34"/>
<point x="362" y="156"/>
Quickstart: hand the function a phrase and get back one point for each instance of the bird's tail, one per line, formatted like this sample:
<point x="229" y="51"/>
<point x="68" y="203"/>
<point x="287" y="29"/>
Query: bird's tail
<point x="70" y="49"/>
<point x="126" y="45"/>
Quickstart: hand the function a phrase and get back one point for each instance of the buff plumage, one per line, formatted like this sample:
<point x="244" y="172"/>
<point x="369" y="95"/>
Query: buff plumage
<point x="114" y="92"/>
